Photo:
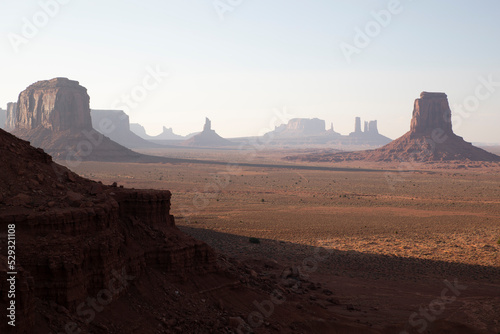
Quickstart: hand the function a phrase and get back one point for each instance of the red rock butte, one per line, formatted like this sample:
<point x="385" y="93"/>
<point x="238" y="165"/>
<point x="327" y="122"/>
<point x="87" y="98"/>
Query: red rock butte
<point x="431" y="112"/>
<point x="58" y="104"/>
<point x="55" y="115"/>
<point x="430" y="138"/>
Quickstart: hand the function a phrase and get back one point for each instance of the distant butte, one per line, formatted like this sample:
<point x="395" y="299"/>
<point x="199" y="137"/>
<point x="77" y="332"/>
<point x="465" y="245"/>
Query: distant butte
<point x="208" y="138"/>
<point x="431" y="138"/>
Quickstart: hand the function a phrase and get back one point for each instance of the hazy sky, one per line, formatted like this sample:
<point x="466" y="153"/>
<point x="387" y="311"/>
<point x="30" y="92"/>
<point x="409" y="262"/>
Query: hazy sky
<point x="238" y="61"/>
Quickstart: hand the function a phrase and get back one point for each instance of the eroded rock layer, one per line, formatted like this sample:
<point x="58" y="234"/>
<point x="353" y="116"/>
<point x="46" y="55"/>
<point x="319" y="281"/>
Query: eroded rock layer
<point x="55" y="115"/>
<point x="58" y="104"/>
<point x="75" y="235"/>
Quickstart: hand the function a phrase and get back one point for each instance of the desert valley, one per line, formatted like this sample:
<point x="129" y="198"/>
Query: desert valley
<point x="247" y="238"/>
<point x="249" y="167"/>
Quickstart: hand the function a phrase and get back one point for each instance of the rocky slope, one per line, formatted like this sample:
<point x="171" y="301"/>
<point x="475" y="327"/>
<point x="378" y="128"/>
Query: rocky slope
<point x="74" y="235"/>
<point x="92" y="258"/>
<point x="430" y="139"/>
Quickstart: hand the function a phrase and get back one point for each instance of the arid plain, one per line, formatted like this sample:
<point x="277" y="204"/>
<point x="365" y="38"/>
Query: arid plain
<point x="393" y="237"/>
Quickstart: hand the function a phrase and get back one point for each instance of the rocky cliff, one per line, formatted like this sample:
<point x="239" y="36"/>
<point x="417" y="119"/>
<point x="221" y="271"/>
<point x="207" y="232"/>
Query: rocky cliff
<point x="75" y="236"/>
<point x="115" y="124"/>
<point x="371" y="127"/>
<point x="58" y="105"/>
<point x="3" y="118"/>
<point x="92" y="258"/>
<point x="431" y="112"/>
<point x="357" y="125"/>
<point x="305" y="126"/>
<point x="10" y="123"/>
<point x="55" y="115"/>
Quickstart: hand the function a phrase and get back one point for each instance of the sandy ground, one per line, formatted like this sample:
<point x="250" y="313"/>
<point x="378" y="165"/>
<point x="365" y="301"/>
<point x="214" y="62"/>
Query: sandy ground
<point x="393" y="236"/>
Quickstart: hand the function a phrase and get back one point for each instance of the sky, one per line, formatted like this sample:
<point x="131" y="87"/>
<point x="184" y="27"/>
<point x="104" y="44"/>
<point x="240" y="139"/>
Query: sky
<point x="250" y="65"/>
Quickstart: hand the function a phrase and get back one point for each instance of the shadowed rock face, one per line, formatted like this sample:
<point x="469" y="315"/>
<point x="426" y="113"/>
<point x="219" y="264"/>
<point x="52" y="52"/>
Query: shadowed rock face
<point x="76" y="234"/>
<point x="59" y="104"/>
<point x="55" y="115"/>
<point x="3" y="118"/>
<point x="431" y="111"/>
<point x="10" y="123"/>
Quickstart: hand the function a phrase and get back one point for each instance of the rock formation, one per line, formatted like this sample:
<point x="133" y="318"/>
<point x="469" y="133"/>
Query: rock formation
<point x="77" y="235"/>
<point x="55" y="115"/>
<point x="357" y="125"/>
<point x="430" y="138"/>
<point x="92" y="258"/>
<point x="167" y="133"/>
<point x="431" y="112"/>
<point x="57" y="105"/>
<point x="371" y="127"/>
<point x="304" y="127"/>
<point x="369" y="136"/>
<point x="10" y="123"/>
<point x="311" y="133"/>
<point x="3" y="118"/>
<point x="208" y="138"/>
<point x="208" y="125"/>
<point x="115" y="124"/>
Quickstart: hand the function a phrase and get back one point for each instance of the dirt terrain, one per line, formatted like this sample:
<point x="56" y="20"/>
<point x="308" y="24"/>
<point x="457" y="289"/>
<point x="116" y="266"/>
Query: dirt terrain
<point x="403" y="247"/>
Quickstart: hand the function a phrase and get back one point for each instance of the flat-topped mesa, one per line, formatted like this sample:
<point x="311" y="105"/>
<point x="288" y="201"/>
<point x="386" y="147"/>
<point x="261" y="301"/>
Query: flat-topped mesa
<point x="431" y="112"/>
<point x="306" y="126"/>
<point x="58" y="104"/>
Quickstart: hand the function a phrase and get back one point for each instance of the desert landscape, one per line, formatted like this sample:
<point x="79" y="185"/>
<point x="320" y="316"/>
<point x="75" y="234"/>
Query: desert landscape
<point x="243" y="238"/>
<point x="401" y="231"/>
<point x="246" y="167"/>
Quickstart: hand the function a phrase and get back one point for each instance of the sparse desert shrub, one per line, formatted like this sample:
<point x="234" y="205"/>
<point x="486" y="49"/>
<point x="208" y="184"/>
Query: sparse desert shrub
<point x="498" y="241"/>
<point x="262" y="200"/>
<point x="254" y="240"/>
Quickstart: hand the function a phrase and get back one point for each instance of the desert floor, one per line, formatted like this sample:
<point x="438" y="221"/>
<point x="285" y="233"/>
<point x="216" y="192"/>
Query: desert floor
<point x="384" y="241"/>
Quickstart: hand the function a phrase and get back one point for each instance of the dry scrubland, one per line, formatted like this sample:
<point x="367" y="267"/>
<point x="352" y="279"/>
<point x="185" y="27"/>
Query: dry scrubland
<point x="449" y="215"/>
<point x="394" y="235"/>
